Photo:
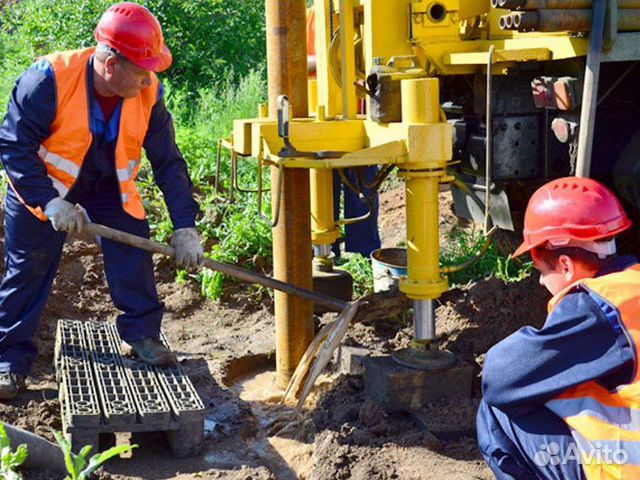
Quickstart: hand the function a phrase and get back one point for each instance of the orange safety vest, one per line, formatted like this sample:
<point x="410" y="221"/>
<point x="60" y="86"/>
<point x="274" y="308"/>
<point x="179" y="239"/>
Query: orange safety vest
<point x="606" y="424"/>
<point x="63" y="152"/>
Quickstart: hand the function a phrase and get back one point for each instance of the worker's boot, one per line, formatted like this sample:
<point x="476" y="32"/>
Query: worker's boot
<point x="11" y="384"/>
<point x="153" y="352"/>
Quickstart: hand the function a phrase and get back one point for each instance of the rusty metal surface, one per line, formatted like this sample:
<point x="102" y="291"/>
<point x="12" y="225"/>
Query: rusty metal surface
<point x="292" y="252"/>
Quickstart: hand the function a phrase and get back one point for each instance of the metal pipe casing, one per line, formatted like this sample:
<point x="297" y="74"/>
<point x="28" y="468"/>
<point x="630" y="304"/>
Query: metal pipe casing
<point x="287" y="74"/>
<point x="322" y="250"/>
<point x="424" y="320"/>
<point x="565" y="20"/>
<point x="556" y="4"/>
<point x="420" y="100"/>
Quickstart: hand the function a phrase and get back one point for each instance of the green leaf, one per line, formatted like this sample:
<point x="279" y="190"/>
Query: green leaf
<point x="98" y="459"/>
<point x="4" y="438"/>
<point x="19" y="456"/>
<point x="68" y="455"/>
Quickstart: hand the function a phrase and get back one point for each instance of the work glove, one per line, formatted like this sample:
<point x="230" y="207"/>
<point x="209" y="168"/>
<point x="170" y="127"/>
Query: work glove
<point x="64" y="216"/>
<point x="187" y="246"/>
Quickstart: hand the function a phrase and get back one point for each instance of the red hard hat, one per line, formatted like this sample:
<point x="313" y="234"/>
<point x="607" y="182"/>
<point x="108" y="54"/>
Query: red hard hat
<point x="134" y="32"/>
<point x="571" y="209"/>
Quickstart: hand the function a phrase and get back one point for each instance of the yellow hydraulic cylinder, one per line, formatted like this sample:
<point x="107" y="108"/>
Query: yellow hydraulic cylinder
<point x="423" y="245"/>
<point x="324" y="230"/>
<point x="423" y="173"/>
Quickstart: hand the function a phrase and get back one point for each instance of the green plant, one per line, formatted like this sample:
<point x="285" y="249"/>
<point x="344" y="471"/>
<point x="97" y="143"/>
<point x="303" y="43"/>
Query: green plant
<point x="77" y="465"/>
<point x="359" y="267"/>
<point x="208" y="38"/>
<point x="461" y="246"/>
<point x="10" y="460"/>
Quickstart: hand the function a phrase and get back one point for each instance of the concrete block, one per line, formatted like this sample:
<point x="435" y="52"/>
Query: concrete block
<point x="350" y="360"/>
<point x="188" y="440"/>
<point x="402" y="389"/>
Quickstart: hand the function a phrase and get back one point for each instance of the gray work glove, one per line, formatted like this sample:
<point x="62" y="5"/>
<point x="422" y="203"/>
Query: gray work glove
<point x="187" y="246"/>
<point x="64" y="216"/>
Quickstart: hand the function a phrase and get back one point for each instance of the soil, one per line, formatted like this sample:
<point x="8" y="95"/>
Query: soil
<point x="223" y="346"/>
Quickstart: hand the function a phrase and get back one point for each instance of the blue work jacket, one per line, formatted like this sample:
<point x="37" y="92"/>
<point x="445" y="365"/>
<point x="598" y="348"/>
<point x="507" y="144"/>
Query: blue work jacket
<point x="32" y="109"/>
<point x="578" y="342"/>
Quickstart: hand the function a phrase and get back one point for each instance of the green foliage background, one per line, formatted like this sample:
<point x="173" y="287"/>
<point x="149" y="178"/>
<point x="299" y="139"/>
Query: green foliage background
<point x="218" y="75"/>
<point x="210" y="39"/>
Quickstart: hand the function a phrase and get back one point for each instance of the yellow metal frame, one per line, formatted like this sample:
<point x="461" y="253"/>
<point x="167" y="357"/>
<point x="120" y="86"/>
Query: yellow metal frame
<point x="448" y="37"/>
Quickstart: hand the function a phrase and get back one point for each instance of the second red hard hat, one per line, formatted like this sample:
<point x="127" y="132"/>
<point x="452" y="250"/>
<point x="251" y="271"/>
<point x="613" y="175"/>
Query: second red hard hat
<point x="571" y="209"/>
<point x="136" y="33"/>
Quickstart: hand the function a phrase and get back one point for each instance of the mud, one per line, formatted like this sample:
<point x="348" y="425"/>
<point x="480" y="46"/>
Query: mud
<point x="341" y="434"/>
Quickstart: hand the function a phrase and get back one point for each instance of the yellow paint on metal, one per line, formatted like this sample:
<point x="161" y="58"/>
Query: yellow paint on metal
<point x="423" y="281"/>
<point x="480" y="58"/>
<point x="379" y="39"/>
<point x="389" y="153"/>
<point x="312" y="86"/>
<point x="430" y="147"/>
<point x="328" y="90"/>
<point x="242" y="132"/>
<point x="324" y="230"/>
<point x="448" y="59"/>
<point x="420" y="101"/>
<point x="347" y="60"/>
<point x="307" y="135"/>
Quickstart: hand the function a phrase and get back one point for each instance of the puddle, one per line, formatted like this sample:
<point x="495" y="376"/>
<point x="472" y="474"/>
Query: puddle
<point x="285" y="446"/>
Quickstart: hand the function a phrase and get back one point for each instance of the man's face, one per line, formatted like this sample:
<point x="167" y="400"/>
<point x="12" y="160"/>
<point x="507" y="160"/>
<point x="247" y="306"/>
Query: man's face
<point x="126" y="79"/>
<point x="553" y="278"/>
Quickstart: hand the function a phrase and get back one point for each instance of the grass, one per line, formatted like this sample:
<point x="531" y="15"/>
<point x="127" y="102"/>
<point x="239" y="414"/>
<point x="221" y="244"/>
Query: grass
<point x="232" y="230"/>
<point x="463" y="245"/>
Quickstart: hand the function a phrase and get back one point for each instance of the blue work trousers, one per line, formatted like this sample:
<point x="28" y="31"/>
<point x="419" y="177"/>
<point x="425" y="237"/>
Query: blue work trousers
<point x="534" y="446"/>
<point x="362" y="237"/>
<point x="32" y="254"/>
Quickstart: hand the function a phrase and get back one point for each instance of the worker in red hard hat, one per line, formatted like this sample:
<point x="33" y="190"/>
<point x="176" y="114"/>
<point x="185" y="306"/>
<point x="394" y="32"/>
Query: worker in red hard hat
<point x="71" y="145"/>
<point x="561" y="402"/>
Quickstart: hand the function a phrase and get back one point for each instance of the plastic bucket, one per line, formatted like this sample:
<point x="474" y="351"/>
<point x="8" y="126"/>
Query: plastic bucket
<point x="388" y="265"/>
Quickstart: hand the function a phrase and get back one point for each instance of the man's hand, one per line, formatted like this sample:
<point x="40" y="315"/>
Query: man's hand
<point x="64" y="216"/>
<point x="186" y="243"/>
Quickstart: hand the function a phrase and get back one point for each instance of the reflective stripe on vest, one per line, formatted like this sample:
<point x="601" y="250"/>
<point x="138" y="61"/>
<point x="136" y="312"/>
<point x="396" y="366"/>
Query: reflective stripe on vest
<point x="64" y="151"/>
<point x="606" y="424"/>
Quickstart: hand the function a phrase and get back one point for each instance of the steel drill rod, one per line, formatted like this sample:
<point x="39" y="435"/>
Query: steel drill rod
<point x="556" y="4"/>
<point x="231" y="270"/>
<point x="564" y="20"/>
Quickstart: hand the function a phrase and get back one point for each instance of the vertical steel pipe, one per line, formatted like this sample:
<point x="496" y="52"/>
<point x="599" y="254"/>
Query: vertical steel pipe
<point x="590" y="89"/>
<point x="424" y="320"/>
<point x="287" y="74"/>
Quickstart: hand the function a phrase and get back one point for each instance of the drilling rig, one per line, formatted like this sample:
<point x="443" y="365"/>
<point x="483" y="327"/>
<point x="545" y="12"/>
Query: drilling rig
<point x="490" y="97"/>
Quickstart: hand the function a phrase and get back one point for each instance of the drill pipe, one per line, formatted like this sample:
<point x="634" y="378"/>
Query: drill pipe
<point x="555" y="4"/>
<point x="287" y="75"/>
<point x="564" y="20"/>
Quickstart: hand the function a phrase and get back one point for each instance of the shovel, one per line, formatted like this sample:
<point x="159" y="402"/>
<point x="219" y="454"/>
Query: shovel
<point x="320" y="350"/>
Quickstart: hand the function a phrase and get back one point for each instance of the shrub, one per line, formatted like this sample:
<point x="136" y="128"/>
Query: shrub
<point x="208" y="38"/>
